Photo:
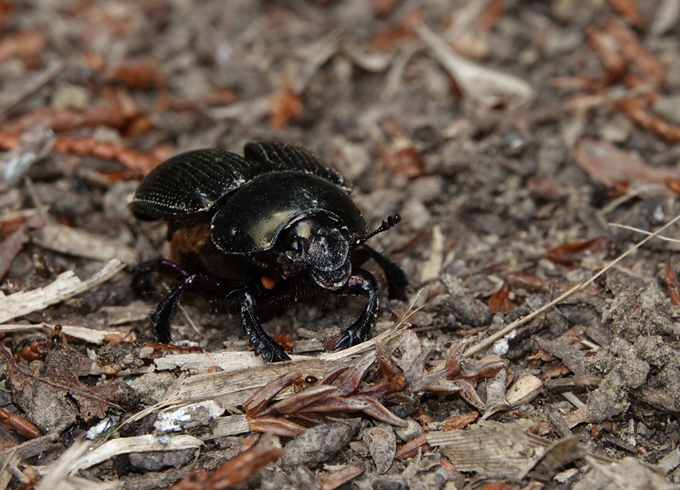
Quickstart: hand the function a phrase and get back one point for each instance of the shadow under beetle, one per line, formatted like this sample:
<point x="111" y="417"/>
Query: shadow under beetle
<point x="259" y="229"/>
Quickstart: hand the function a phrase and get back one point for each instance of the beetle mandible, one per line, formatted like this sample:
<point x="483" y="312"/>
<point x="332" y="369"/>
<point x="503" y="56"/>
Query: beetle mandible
<point x="259" y="228"/>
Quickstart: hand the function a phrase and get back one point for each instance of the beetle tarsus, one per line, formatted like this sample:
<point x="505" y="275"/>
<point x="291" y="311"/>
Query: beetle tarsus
<point x="361" y="283"/>
<point x="263" y="343"/>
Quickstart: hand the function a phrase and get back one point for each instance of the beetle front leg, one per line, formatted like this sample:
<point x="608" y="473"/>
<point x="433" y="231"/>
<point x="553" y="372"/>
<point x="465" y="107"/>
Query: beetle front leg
<point x="361" y="283"/>
<point x="396" y="279"/>
<point x="263" y="343"/>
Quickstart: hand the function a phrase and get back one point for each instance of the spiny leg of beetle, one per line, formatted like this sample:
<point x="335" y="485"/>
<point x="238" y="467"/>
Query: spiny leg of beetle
<point x="212" y="285"/>
<point x="360" y="283"/>
<point x="396" y="279"/>
<point x="263" y="343"/>
<point x="160" y="319"/>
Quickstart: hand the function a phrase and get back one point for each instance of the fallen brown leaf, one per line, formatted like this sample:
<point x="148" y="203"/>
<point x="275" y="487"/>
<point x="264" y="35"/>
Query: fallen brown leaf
<point x="500" y="302"/>
<point x="569" y="253"/>
<point x="606" y="163"/>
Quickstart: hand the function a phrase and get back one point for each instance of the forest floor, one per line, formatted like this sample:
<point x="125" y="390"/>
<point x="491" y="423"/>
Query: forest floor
<point x="531" y="149"/>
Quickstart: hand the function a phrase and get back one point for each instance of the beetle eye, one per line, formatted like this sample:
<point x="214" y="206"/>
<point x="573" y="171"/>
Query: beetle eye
<point x="293" y="245"/>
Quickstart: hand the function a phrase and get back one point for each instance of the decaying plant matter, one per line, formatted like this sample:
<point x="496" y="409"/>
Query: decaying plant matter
<point x="394" y="382"/>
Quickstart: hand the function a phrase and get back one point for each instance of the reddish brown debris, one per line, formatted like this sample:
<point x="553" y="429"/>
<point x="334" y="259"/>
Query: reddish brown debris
<point x="387" y="39"/>
<point x="234" y="471"/>
<point x="671" y="279"/>
<point x="14" y="422"/>
<point x="308" y="407"/>
<point x="138" y="75"/>
<point x="133" y="159"/>
<point x="405" y="161"/>
<point x="527" y="281"/>
<point x="36" y="350"/>
<point x="638" y="110"/>
<point x="492" y="14"/>
<point x="63" y="120"/>
<point x="286" y="341"/>
<point x="286" y="106"/>
<point x="334" y="479"/>
<point x="23" y="44"/>
<point x="623" y="56"/>
<point x="500" y="302"/>
<point x="460" y="421"/>
<point x="610" y="57"/>
<point x="673" y="184"/>
<point x="410" y="449"/>
<point x="569" y="253"/>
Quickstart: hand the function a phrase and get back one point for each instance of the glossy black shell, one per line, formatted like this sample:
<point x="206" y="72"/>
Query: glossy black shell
<point x="248" y="201"/>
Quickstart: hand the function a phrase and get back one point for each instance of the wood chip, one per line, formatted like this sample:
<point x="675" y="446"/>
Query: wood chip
<point x="492" y="449"/>
<point x="524" y="390"/>
<point x="231" y="425"/>
<point x="670" y="461"/>
<point x="580" y="416"/>
<point x="80" y="243"/>
<point x="432" y="268"/>
<point x="83" y="333"/>
<point x="64" y="287"/>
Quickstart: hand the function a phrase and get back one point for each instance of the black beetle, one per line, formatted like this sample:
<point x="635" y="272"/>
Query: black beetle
<point x="259" y="229"/>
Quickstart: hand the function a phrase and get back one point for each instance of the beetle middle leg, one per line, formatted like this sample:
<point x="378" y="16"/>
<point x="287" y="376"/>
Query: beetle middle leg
<point x="361" y="283"/>
<point x="214" y="286"/>
<point x="220" y="288"/>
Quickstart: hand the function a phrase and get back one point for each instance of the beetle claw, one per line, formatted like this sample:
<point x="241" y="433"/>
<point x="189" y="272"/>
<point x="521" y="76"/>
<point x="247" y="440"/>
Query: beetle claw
<point x="274" y="354"/>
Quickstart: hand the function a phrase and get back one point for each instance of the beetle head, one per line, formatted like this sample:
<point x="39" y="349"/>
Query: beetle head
<point x="320" y="244"/>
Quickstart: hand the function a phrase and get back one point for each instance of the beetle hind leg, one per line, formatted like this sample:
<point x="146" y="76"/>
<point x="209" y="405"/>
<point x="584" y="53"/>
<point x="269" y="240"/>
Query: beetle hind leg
<point x="263" y="343"/>
<point x="361" y="283"/>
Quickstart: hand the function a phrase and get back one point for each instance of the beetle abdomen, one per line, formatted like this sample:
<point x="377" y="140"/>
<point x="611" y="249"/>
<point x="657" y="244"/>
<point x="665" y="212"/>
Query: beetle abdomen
<point x="251" y="219"/>
<point x="189" y="184"/>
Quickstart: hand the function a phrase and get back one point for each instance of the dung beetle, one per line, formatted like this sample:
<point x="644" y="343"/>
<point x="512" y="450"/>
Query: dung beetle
<point x="262" y="229"/>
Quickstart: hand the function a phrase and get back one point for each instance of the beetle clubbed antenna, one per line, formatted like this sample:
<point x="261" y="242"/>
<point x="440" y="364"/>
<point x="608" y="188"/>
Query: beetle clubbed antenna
<point x="386" y="225"/>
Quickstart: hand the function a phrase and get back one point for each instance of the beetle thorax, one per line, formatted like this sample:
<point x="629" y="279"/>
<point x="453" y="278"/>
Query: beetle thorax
<point x="323" y="248"/>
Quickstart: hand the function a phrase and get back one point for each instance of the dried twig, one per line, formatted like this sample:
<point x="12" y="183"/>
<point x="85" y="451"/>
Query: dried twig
<point x="644" y="232"/>
<point x="64" y="287"/>
<point x="126" y="445"/>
